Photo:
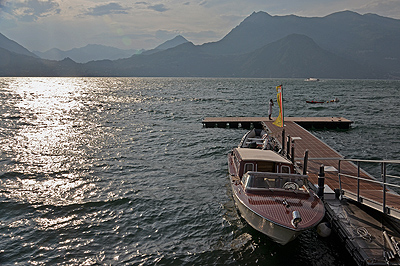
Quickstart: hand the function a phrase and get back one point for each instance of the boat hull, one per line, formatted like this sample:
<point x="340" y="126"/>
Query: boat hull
<point x="276" y="232"/>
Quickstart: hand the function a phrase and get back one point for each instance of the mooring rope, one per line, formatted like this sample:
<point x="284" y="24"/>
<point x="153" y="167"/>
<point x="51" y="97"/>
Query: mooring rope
<point x="361" y="231"/>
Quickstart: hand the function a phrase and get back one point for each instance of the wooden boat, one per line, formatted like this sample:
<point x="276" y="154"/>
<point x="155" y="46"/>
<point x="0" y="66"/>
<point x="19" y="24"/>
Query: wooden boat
<point x="258" y="138"/>
<point x="253" y="138"/>
<point x="270" y="196"/>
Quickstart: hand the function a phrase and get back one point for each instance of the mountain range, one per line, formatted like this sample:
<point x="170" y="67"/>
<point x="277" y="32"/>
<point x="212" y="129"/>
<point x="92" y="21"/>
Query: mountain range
<point x="341" y="45"/>
<point x="88" y="53"/>
<point x="92" y="52"/>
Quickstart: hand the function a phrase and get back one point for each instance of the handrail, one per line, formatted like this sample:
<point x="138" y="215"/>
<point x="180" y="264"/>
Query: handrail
<point x="371" y="161"/>
<point x="394" y="176"/>
<point x="370" y="180"/>
<point x="320" y="158"/>
<point x="383" y="175"/>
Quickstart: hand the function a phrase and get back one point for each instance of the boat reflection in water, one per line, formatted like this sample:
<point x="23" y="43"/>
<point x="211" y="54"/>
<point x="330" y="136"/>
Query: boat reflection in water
<point x="270" y="195"/>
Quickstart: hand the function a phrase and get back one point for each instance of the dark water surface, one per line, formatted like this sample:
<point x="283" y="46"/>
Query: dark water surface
<point x="119" y="171"/>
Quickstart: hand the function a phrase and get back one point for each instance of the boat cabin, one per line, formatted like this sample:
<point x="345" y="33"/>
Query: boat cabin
<point x="256" y="160"/>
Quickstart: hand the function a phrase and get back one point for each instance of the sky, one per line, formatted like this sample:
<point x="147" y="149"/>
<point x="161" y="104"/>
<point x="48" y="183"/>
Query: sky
<point x="40" y="25"/>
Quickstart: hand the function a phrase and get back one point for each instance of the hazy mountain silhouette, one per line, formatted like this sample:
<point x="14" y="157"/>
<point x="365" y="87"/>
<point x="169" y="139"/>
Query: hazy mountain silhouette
<point x="20" y="65"/>
<point x="368" y="39"/>
<point x="341" y="45"/>
<point x="178" y="40"/>
<point x="93" y="52"/>
<point x="294" y="56"/>
<point x="13" y="46"/>
<point x="88" y="53"/>
<point x="183" y="60"/>
<point x="298" y="56"/>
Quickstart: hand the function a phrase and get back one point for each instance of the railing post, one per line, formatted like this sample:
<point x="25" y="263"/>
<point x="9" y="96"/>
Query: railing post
<point x="321" y="182"/>
<point x="305" y="162"/>
<point x="358" y="181"/>
<point x="288" y="147"/>
<point x="283" y="142"/>
<point x="384" y="187"/>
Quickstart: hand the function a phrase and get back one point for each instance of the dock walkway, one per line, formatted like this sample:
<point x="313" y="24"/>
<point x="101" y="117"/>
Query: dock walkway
<point x="320" y="153"/>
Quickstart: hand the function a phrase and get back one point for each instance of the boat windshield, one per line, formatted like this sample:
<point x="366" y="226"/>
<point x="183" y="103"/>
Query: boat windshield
<point x="255" y="180"/>
<point x="258" y="182"/>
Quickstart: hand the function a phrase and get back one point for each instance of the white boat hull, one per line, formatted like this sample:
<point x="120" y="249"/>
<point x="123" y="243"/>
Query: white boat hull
<point x="276" y="232"/>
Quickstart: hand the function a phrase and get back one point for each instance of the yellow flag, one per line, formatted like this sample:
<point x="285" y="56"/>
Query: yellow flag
<point x="279" y="120"/>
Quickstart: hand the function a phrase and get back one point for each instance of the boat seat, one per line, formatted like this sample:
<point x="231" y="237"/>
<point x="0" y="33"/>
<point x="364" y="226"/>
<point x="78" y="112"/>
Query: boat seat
<point x="253" y="144"/>
<point x="260" y="182"/>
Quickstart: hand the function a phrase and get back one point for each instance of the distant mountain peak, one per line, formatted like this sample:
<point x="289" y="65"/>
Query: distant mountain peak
<point x="259" y="13"/>
<point x="257" y="17"/>
<point x="346" y="14"/>
<point x="67" y="60"/>
<point x="179" y="39"/>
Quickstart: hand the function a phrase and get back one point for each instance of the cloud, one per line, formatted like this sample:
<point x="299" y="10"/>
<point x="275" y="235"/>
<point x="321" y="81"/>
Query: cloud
<point x="159" y="8"/>
<point x="30" y="10"/>
<point x="389" y="8"/>
<point x="110" y="8"/>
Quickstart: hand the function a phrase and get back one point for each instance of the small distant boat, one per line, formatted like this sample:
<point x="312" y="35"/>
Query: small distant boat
<point x="331" y="101"/>
<point x="270" y="195"/>
<point x="311" y="79"/>
<point x="314" y="102"/>
<point x="334" y="100"/>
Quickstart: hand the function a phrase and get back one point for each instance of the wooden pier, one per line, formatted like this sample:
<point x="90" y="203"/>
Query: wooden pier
<point x="305" y="122"/>
<point x="359" y="208"/>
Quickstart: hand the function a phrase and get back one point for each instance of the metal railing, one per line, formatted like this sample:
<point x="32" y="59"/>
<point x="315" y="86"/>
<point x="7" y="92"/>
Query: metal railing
<point x="367" y="178"/>
<point x="385" y="184"/>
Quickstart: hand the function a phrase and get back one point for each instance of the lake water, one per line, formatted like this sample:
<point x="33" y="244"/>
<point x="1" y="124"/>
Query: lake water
<point x="120" y="171"/>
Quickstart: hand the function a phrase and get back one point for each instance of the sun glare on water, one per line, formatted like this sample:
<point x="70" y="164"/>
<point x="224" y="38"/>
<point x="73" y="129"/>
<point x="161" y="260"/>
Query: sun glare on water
<point x="48" y="142"/>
